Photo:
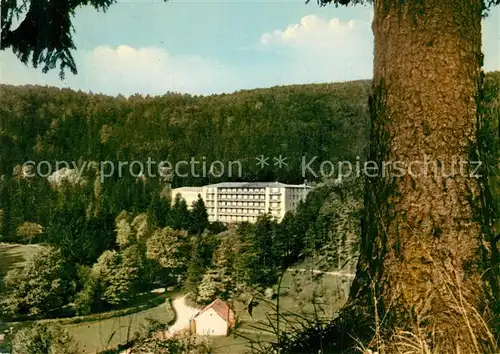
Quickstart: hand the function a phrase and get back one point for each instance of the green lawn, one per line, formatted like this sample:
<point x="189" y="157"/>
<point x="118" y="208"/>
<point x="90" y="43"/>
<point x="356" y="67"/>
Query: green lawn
<point x="237" y="344"/>
<point x="97" y="336"/>
<point x="14" y="255"/>
<point x="302" y="295"/>
<point x="308" y="294"/>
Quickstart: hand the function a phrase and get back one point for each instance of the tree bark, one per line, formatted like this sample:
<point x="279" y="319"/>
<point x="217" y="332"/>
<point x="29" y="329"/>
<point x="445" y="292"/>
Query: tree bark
<point x="421" y="262"/>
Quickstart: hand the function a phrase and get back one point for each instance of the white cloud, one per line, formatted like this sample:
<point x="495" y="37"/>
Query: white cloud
<point x="322" y="50"/>
<point x="312" y="32"/>
<point x="153" y="70"/>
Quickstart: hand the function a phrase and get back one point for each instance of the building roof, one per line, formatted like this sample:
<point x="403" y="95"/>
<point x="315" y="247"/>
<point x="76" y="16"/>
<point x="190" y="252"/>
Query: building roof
<point x="255" y="184"/>
<point x="188" y="189"/>
<point x="221" y="308"/>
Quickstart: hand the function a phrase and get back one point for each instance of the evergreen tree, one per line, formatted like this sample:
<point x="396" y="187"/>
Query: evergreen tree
<point x="7" y="223"/>
<point x="199" y="217"/>
<point x="208" y="288"/>
<point x="286" y="234"/>
<point x="159" y="209"/>
<point x="221" y="277"/>
<point x="179" y="217"/>
<point x="266" y="249"/>
<point x="81" y="239"/>
<point x="196" y="267"/>
<point x="48" y="47"/>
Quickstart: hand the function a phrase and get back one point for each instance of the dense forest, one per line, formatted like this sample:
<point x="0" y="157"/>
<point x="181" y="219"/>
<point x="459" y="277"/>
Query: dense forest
<point x="324" y="120"/>
<point x="327" y="121"/>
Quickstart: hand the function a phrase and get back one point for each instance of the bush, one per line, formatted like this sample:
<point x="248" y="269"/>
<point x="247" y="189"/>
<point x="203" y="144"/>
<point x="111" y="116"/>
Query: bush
<point x="44" y="285"/>
<point x="43" y="339"/>
<point x="182" y="342"/>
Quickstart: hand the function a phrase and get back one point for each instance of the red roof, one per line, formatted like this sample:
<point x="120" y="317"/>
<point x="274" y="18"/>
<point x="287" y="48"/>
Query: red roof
<point x="221" y="308"/>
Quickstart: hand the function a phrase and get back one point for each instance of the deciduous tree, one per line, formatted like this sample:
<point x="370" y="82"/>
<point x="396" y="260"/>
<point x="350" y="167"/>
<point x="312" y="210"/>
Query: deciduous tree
<point x="42" y="338"/>
<point x="170" y="249"/>
<point x="111" y="282"/>
<point x="44" y="285"/>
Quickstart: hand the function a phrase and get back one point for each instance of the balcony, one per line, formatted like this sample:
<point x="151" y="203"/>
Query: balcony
<point x="263" y="192"/>
<point x="241" y="206"/>
<point x="227" y="213"/>
<point x="226" y="199"/>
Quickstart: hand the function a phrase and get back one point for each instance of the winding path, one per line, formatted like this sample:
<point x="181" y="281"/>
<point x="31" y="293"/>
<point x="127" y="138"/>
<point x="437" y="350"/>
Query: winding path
<point x="183" y="313"/>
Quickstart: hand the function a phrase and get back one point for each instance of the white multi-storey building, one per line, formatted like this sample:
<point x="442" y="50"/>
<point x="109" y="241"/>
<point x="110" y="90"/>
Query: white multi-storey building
<point x="245" y="201"/>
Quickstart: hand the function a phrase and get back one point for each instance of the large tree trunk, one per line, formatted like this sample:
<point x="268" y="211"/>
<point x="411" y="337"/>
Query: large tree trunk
<point x="421" y="262"/>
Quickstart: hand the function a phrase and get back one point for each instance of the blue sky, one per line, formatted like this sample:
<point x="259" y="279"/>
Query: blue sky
<point x="204" y="47"/>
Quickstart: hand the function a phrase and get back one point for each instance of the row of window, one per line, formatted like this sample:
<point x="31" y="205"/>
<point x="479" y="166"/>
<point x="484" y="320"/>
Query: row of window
<point x="275" y="204"/>
<point x="240" y="211"/>
<point x="258" y="204"/>
<point x="235" y="196"/>
<point x="252" y="218"/>
<point x="251" y="190"/>
<point x="229" y="218"/>
<point x="275" y="208"/>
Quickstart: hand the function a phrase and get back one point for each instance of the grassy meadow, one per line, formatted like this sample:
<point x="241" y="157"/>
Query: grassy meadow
<point x="97" y="336"/>
<point x="15" y="255"/>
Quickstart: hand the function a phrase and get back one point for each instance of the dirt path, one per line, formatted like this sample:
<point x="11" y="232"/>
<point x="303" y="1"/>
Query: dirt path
<point x="183" y="314"/>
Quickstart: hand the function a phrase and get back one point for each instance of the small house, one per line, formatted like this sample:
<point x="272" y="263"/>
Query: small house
<point x="214" y="319"/>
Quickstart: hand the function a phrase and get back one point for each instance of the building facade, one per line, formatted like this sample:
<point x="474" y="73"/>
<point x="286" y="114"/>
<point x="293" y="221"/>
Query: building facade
<point x="245" y="201"/>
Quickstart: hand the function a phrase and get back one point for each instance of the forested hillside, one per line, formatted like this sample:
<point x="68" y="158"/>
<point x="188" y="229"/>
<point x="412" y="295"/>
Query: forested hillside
<point x="327" y="121"/>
